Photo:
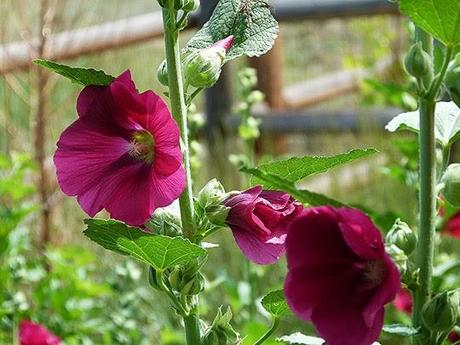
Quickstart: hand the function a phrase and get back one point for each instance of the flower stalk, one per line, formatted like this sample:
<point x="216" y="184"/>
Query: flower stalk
<point x="428" y="193"/>
<point x="179" y="110"/>
<point x="269" y="333"/>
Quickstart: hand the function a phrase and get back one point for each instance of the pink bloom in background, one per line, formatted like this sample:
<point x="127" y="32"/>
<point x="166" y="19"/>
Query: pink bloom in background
<point x="259" y="221"/>
<point x="339" y="275"/>
<point x="403" y="301"/>
<point x="122" y="153"/>
<point x="31" y="333"/>
<point x="452" y="226"/>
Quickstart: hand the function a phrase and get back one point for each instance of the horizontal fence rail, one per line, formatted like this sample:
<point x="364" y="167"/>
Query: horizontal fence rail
<point x="319" y="121"/>
<point x="137" y="29"/>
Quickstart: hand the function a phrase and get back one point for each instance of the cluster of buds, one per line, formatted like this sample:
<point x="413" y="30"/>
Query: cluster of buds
<point x="402" y="236"/>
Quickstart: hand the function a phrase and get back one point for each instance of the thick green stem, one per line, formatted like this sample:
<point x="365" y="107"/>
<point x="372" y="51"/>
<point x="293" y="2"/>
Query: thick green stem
<point x="269" y="333"/>
<point x="427" y="196"/>
<point x="192" y="329"/>
<point x="179" y="112"/>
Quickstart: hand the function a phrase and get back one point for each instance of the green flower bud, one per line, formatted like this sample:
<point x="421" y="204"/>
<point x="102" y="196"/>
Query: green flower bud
<point x="223" y="330"/>
<point x="398" y="256"/>
<point x="402" y="237"/>
<point x="194" y="286"/>
<point x="203" y="68"/>
<point x="452" y="80"/>
<point x="218" y="214"/>
<point x="417" y="62"/>
<point x="255" y="97"/>
<point x="175" y="279"/>
<point x="250" y="129"/>
<point x="153" y="279"/>
<point x="440" y="314"/>
<point x="162" y="73"/>
<point x="164" y="223"/>
<point x="213" y="193"/>
<point x="451" y="184"/>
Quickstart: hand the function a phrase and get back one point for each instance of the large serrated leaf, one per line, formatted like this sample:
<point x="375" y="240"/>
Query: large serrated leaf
<point x="159" y="251"/>
<point x="249" y="21"/>
<point x="402" y="330"/>
<point x="441" y="18"/>
<point x="275" y="303"/>
<point x="297" y="168"/>
<point x="83" y="76"/>
<point x="447" y="122"/>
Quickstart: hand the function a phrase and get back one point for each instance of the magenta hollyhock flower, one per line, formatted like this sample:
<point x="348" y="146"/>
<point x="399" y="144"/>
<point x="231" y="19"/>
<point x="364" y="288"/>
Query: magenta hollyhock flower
<point x="31" y="333"/>
<point x="259" y="221"/>
<point x="403" y="301"/>
<point x="452" y="226"/>
<point x="339" y="275"/>
<point x="453" y="337"/>
<point x="122" y="153"/>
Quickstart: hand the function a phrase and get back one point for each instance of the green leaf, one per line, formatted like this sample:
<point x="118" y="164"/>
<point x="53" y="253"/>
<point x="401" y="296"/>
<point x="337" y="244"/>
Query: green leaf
<point x="158" y="251"/>
<point x="302" y="195"/>
<point x="402" y="330"/>
<point x="299" y="338"/>
<point x="441" y="18"/>
<point x="250" y="22"/>
<point x="447" y="122"/>
<point x="83" y="76"/>
<point x="295" y="169"/>
<point x="275" y="303"/>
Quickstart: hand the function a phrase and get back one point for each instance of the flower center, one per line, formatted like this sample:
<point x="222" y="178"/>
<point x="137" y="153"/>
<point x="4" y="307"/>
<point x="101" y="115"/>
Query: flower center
<point x="374" y="272"/>
<point x="142" y="146"/>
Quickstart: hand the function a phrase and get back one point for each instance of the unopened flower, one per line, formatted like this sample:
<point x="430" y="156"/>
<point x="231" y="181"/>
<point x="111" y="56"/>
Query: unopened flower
<point x="340" y="276"/>
<point x="403" y="301"/>
<point x="259" y="221"/>
<point x="31" y="333"/>
<point x="122" y="153"/>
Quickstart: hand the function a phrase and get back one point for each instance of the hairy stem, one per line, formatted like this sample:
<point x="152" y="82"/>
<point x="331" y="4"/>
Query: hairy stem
<point x="179" y="112"/>
<point x="427" y="196"/>
<point x="269" y="333"/>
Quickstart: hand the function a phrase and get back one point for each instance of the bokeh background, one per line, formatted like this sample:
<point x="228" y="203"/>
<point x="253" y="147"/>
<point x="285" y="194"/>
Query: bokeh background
<point x="331" y="82"/>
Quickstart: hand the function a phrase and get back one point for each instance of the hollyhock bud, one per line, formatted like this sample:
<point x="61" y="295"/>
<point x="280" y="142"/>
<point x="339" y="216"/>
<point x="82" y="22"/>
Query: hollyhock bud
<point x="451" y="182"/>
<point x="452" y="80"/>
<point x="122" y="153"/>
<point x="213" y="193"/>
<point x="221" y="331"/>
<point x="417" y="61"/>
<point x="402" y="237"/>
<point x="339" y="275"/>
<point x="162" y="73"/>
<point x="259" y="221"/>
<point x="440" y="313"/>
<point x="31" y="333"/>
<point x="202" y="68"/>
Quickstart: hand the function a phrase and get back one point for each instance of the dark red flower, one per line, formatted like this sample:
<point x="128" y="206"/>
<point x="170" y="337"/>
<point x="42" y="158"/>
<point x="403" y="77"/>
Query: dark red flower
<point x="259" y="221"/>
<point x="403" y="301"/>
<point x="340" y="276"/>
<point x="452" y="226"/>
<point x="122" y="153"/>
<point x="31" y="333"/>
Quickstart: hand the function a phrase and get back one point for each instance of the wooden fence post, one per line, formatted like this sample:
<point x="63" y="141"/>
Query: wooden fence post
<point x="270" y="76"/>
